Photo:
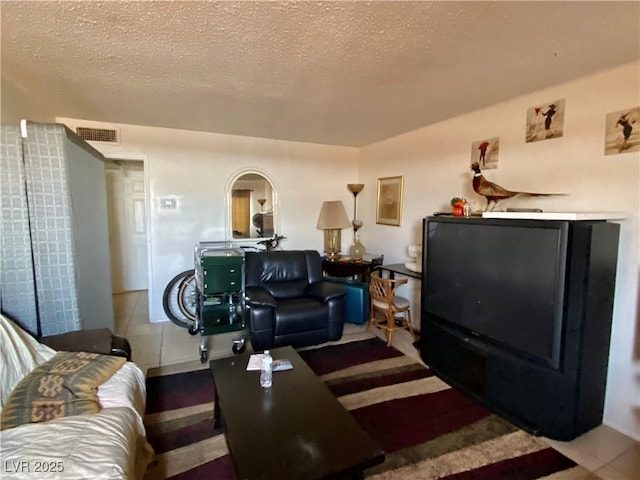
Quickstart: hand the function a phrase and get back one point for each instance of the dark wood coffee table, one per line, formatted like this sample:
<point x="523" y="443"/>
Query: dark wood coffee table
<point x="296" y="429"/>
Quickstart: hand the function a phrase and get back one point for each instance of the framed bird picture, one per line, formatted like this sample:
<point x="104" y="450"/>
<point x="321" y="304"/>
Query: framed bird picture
<point x="545" y="121"/>
<point x="389" y="203"/>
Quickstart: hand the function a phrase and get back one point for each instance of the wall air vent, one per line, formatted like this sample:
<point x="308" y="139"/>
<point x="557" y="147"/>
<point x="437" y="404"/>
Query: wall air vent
<point x="107" y="135"/>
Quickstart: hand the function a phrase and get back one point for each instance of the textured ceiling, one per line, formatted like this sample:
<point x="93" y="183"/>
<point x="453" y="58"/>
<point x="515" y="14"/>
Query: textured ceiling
<point x="343" y="73"/>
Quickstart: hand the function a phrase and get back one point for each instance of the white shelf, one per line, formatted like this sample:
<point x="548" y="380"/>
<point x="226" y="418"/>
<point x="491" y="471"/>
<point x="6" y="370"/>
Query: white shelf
<point x="558" y="215"/>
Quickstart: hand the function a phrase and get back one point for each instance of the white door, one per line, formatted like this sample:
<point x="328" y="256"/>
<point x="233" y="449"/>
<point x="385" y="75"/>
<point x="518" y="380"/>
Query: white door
<point x="127" y="225"/>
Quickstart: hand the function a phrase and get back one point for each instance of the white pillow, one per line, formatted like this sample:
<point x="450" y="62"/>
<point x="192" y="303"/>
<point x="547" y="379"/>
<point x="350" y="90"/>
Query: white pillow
<point x="19" y="354"/>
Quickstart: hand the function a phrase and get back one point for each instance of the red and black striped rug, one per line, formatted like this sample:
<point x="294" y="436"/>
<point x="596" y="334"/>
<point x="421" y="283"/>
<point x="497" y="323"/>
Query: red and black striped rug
<point x="427" y="429"/>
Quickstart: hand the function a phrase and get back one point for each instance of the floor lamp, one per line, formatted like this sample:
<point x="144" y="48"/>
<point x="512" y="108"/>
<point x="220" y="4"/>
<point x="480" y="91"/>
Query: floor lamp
<point x="357" y="250"/>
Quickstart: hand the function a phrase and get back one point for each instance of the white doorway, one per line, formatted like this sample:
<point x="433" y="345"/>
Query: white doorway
<point x="127" y="225"/>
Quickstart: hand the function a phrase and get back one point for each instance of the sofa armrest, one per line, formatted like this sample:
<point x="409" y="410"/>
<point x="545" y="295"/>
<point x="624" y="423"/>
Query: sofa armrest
<point x="259" y="297"/>
<point x="99" y="340"/>
<point x="93" y="341"/>
<point x="325" y="291"/>
<point x="260" y="307"/>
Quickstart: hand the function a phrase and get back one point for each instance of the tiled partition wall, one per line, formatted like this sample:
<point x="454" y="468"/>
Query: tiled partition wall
<point x="17" y="297"/>
<point x="55" y="254"/>
<point x="51" y="227"/>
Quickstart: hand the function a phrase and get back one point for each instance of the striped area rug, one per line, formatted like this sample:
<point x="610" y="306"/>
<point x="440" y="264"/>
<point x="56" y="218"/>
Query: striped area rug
<point x="427" y="429"/>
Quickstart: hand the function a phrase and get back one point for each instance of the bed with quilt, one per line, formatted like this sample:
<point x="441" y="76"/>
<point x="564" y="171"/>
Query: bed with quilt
<point x="68" y="415"/>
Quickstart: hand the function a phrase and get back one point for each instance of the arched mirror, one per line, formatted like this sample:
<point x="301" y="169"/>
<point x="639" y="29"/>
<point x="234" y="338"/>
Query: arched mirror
<point x="253" y="207"/>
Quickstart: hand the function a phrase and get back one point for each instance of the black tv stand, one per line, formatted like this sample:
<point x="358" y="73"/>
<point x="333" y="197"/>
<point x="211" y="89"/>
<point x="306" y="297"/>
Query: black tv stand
<point x="529" y="427"/>
<point x="565" y="397"/>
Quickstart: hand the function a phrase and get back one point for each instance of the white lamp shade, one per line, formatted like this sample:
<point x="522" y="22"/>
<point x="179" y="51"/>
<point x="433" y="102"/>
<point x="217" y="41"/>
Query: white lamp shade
<point x="333" y="216"/>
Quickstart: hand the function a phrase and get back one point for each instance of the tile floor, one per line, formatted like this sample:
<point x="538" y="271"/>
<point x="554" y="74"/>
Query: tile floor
<point x="605" y="452"/>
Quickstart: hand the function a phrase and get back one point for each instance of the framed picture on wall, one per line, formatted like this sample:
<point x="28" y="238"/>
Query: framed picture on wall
<point x="622" y="131"/>
<point x="545" y="121"/>
<point x="389" y="204"/>
<point x="485" y="152"/>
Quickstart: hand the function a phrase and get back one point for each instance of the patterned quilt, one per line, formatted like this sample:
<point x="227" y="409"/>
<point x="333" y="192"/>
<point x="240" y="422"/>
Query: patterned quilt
<point x="63" y="386"/>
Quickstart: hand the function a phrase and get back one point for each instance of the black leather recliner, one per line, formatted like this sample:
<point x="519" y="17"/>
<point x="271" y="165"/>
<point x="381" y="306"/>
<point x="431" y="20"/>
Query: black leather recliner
<point x="288" y="301"/>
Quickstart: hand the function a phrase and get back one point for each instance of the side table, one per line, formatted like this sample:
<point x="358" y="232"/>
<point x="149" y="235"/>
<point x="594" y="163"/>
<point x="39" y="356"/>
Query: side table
<point x="359" y="269"/>
<point x="400" y="269"/>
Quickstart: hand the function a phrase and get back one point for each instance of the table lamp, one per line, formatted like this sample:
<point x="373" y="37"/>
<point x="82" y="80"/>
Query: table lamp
<point x="333" y="218"/>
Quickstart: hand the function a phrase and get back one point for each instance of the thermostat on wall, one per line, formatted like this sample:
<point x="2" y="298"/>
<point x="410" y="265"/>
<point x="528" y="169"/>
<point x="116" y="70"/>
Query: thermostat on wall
<point x="168" y="203"/>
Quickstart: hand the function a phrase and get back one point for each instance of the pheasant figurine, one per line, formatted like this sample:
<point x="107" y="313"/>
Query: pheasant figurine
<point x="494" y="192"/>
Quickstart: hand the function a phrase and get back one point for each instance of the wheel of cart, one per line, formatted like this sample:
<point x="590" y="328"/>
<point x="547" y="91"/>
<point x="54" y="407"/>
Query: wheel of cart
<point x="219" y="281"/>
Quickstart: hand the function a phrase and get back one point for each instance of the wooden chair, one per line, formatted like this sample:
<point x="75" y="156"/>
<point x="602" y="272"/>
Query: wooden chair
<point x="396" y="309"/>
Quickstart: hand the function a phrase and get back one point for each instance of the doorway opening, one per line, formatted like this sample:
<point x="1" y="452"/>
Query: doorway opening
<point x="127" y="215"/>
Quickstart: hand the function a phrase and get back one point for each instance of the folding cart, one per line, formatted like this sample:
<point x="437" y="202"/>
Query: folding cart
<point x="219" y="272"/>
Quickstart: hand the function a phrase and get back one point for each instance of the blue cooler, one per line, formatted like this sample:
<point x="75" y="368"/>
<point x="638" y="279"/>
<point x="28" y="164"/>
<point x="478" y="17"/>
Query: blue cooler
<point x="356" y="301"/>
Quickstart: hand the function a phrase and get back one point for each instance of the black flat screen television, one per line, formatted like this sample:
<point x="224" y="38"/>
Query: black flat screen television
<point x="501" y="281"/>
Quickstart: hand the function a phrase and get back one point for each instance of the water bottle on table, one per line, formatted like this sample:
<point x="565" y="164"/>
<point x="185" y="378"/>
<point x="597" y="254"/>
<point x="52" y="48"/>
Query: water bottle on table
<point x="266" y="372"/>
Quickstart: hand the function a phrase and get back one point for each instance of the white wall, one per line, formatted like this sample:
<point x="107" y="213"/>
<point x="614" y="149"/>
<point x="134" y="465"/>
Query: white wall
<point x="194" y="167"/>
<point x="435" y="163"/>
